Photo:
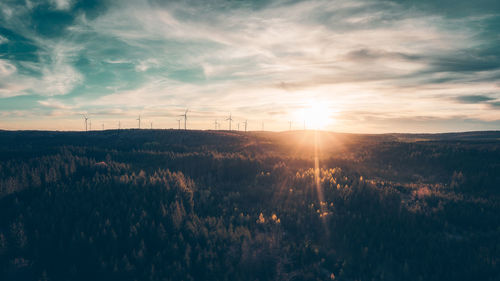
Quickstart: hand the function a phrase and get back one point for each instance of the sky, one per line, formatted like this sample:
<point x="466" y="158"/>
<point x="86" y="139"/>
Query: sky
<point x="341" y="65"/>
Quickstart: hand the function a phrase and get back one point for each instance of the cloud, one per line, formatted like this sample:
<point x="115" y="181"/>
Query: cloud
<point x="54" y="104"/>
<point x="254" y="57"/>
<point x="6" y="68"/>
<point x="451" y="8"/>
<point x="370" y="54"/>
<point x="489" y="100"/>
<point x="473" y="99"/>
<point x="116" y="61"/>
<point x="61" y="4"/>
<point x="465" y="62"/>
<point x="495" y="104"/>
<point x="3" y="39"/>
<point x="146" y="64"/>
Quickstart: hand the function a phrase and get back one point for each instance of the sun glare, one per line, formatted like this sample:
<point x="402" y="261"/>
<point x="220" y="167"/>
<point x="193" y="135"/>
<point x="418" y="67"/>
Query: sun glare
<point x="315" y="116"/>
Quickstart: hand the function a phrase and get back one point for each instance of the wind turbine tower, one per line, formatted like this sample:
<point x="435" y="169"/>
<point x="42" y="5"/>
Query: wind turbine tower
<point x="238" y="126"/>
<point x="86" y="118"/>
<point x="139" y="119"/>
<point x="230" y="119"/>
<point x="185" y="118"/>
<point x="151" y="125"/>
<point x="216" y="123"/>
<point x="179" y="124"/>
<point x="246" y="122"/>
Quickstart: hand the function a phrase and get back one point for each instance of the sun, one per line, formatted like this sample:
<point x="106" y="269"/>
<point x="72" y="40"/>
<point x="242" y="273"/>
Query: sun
<point x="316" y="115"/>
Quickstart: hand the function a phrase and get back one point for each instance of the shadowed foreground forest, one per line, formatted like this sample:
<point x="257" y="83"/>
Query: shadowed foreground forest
<point x="219" y="205"/>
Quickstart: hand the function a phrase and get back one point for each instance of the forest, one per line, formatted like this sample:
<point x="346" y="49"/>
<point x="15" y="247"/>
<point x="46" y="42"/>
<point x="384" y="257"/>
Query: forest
<point x="231" y="205"/>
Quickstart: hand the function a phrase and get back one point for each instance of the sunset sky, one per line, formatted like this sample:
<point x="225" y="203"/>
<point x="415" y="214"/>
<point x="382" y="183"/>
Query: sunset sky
<point x="347" y="66"/>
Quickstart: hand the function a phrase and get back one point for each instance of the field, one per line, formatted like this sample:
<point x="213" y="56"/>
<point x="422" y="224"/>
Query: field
<point x="228" y="205"/>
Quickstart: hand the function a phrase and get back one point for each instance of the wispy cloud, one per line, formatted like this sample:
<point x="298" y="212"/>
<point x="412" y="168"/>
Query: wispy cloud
<point x="54" y="104"/>
<point x="61" y="4"/>
<point x="473" y="98"/>
<point x="6" y="68"/>
<point x="3" y="39"/>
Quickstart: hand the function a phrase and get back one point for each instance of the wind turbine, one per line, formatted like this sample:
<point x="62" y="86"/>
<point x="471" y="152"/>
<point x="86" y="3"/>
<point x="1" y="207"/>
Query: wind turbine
<point x="238" y="126"/>
<point x="179" y="123"/>
<point x="139" y="119"/>
<point x="151" y="125"/>
<point x="230" y="119"/>
<point x="246" y="122"/>
<point x="119" y="125"/>
<point x="86" y="118"/>
<point x="185" y="117"/>
<point x="103" y="126"/>
<point x="216" y="123"/>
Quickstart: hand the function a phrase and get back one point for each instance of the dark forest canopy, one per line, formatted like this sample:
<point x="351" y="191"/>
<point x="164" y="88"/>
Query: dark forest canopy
<point x="220" y="205"/>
